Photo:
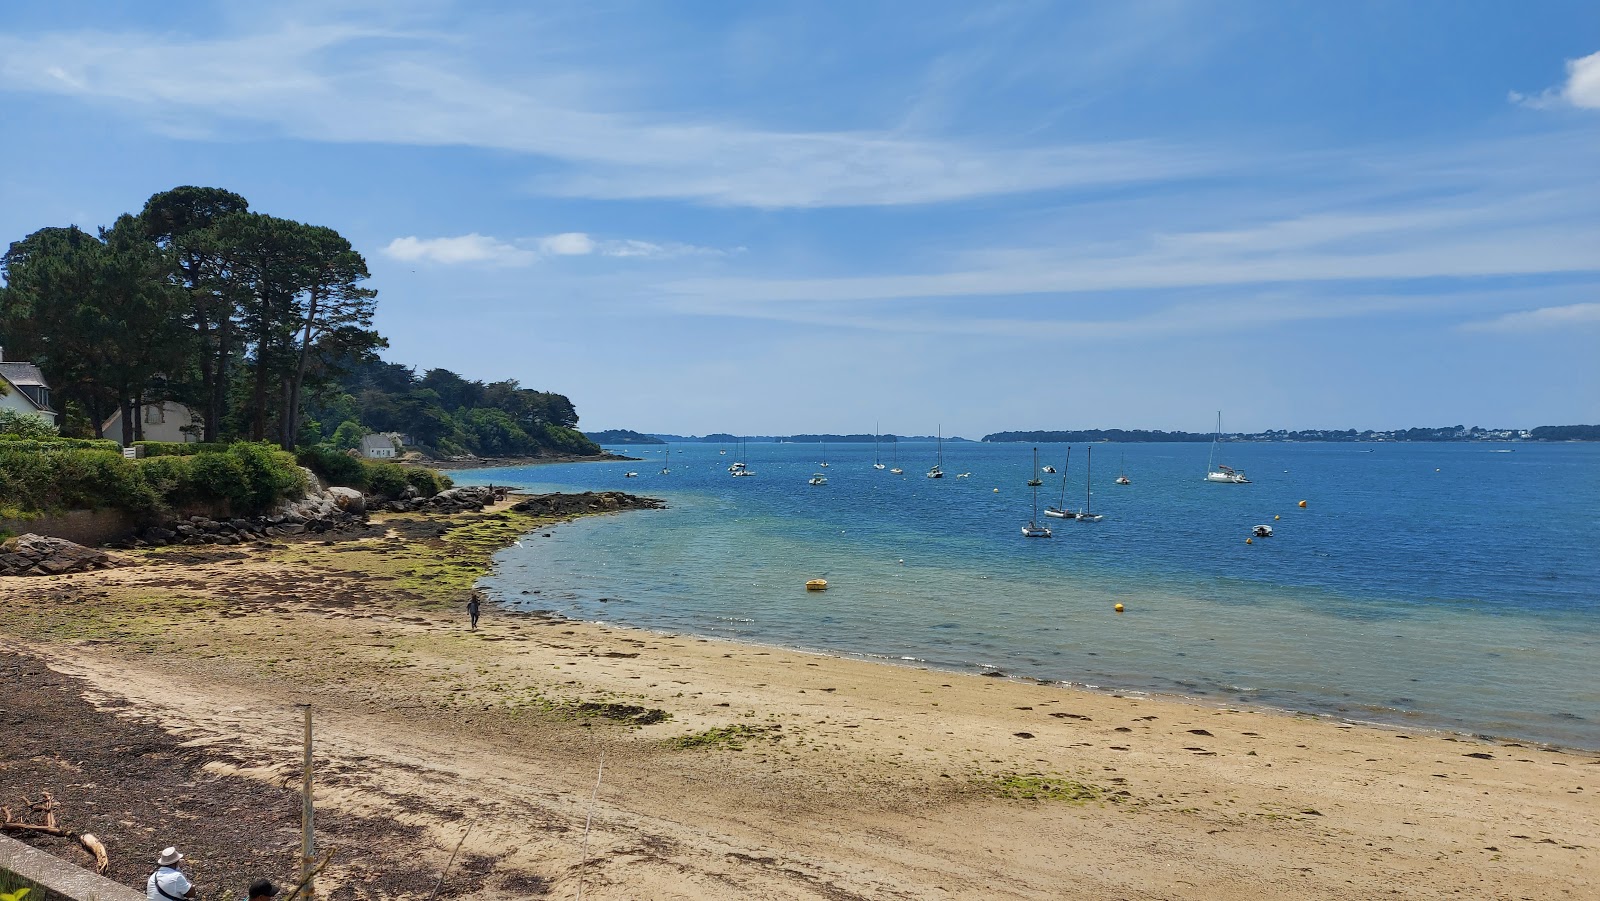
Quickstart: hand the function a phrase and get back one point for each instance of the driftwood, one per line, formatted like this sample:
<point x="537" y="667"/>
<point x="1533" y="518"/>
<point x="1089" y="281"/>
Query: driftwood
<point x="299" y="890"/>
<point x="47" y="806"/>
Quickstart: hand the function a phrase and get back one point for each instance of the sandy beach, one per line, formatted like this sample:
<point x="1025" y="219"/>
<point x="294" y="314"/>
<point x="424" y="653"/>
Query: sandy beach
<point x="738" y="771"/>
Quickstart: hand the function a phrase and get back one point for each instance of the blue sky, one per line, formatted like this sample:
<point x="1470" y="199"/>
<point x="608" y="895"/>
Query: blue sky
<point x="804" y="217"/>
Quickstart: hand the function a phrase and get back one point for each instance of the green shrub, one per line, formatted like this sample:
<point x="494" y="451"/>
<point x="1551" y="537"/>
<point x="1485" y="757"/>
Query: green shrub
<point x="334" y="466"/>
<point x="249" y="478"/>
<point x="386" y="480"/>
<point x="50" y="444"/>
<point x="569" y="441"/>
<point x="181" y="448"/>
<point x="25" y="425"/>
<point x="428" y="482"/>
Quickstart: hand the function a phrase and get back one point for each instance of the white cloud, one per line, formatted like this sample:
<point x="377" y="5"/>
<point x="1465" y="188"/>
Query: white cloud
<point x="360" y="85"/>
<point x="476" y="248"/>
<point x="1581" y="90"/>
<point x="1542" y="319"/>
<point x="473" y="248"/>
<point x="567" y="244"/>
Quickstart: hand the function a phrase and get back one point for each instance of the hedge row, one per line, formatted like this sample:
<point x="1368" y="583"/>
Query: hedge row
<point x="36" y="445"/>
<point x="385" y="480"/>
<point x="248" y="478"/>
<point x="180" y="448"/>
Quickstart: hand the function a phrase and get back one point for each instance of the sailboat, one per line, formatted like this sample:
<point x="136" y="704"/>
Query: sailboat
<point x="1033" y="529"/>
<point x="666" y="460"/>
<point x="1061" y="511"/>
<point x="740" y="467"/>
<point x="876" y="463"/>
<point x="937" y="472"/>
<point x="824" y="462"/>
<point x="1217" y="472"/>
<point x="1123" y="478"/>
<point x="896" y="468"/>
<point x="1088" y="486"/>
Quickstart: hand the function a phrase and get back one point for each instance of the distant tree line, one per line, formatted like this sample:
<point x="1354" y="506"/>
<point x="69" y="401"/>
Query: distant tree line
<point x="622" y="436"/>
<point x="1448" y="433"/>
<point x="261" y="325"/>
<point x="443" y="412"/>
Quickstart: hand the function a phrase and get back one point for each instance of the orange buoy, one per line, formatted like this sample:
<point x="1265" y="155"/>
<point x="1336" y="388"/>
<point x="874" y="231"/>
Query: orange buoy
<point x="1249" y="541"/>
<point x="1302" y="505"/>
<point x="817" y="585"/>
<point x="1118" y="608"/>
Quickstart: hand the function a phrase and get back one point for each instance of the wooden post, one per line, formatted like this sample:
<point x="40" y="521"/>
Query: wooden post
<point x="308" y="848"/>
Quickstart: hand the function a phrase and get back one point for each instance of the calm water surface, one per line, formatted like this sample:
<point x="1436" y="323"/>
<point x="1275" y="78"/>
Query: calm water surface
<point x="1444" y="585"/>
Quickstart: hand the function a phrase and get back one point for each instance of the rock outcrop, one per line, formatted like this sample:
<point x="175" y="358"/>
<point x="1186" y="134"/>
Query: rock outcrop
<point x="38" y="555"/>
<point x="467" y="498"/>
<point x="586" y="502"/>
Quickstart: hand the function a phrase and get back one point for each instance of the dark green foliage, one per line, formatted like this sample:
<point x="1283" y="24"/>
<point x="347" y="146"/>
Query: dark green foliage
<point x="24" y="425"/>
<point x="386" y="480"/>
<point x="248" y="478"/>
<point x="25" y="444"/>
<point x="428" y="482"/>
<point x="333" y="466"/>
<point x="180" y="448"/>
<point x="1567" y="433"/>
<point x="622" y="436"/>
<point x="568" y="441"/>
<point x="449" y="414"/>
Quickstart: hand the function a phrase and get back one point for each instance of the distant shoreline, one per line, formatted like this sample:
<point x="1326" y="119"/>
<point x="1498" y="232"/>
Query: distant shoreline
<point x="545" y="460"/>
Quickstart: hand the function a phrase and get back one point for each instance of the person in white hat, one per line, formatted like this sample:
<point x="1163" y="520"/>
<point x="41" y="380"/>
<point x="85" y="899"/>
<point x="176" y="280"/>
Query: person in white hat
<point x="168" y="883"/>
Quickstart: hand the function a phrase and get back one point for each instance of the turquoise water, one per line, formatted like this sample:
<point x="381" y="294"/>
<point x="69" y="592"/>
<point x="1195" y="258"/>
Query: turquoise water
<point x="1442" y="585"/>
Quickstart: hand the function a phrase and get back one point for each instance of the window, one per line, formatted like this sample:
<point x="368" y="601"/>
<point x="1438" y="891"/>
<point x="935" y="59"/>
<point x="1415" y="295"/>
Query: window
<point x="155" y="413"/>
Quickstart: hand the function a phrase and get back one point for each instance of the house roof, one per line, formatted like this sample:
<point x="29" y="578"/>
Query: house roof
<point x="23" y="375"/>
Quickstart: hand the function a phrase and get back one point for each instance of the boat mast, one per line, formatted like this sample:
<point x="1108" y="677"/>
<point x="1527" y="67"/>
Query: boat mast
<point x="1064" y="467"/>
<point x="1088" y="478"/>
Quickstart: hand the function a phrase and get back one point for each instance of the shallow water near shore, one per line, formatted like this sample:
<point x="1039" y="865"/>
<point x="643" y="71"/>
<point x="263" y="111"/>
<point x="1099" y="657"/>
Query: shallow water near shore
<point x="1437" y="585"/>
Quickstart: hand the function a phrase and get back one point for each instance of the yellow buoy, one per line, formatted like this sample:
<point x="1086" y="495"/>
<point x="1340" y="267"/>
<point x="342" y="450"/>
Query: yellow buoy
<point x="1276" y="516"/>
<point x="1118" y="608"/>
<point x="1249" y="541"/>
<point x="1302" y="505"/>
<point x="817" y="585"/>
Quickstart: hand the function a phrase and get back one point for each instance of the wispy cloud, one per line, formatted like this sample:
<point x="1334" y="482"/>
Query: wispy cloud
<point x="473" y="248"/>
<point x="1580" y="90"/>
<point x="1540" y="320"/>
<point x="483" y="249"/>
<point x="349" y="84"/>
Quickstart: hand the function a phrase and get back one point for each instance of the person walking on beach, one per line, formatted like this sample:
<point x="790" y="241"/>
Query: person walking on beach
<point x="261" y="890"/>
<point x="168" y="883"/>
<point x="472" y="611"/>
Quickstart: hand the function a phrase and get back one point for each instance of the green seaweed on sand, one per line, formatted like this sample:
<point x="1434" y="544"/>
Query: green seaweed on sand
<point x="1035" y="787"/>
<point x="731" y="737"/>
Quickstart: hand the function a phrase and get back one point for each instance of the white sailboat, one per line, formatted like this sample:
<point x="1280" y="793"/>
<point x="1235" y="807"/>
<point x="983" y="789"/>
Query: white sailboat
<point x="876" y="462"/>
<point x="1088" y="488"/>
<point x="1033" y="529"/>
<point x="740" y="467"/>
<point x="937" y="472"/>
<point x="895" y="469"/>
<point x="666" y="460"/>
<point x="1216" y="472"/>
<point x="824" y="462"/>
<point x="1122" y="478"/>
<point x="1060" y="512"/>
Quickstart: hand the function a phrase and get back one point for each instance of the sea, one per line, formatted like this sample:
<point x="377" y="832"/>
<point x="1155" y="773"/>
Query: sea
<point x="1449" y="586"/>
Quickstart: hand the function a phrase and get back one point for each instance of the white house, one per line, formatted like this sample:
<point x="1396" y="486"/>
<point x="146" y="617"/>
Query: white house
<point x="23" y="389"/>
<point x="165" y="421"/>
<point x="378" y="447"/>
